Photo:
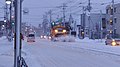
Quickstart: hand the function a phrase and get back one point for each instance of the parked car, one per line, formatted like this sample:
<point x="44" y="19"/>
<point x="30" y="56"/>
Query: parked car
<point x="31" y="37"/>
<point x="112" y="42"/>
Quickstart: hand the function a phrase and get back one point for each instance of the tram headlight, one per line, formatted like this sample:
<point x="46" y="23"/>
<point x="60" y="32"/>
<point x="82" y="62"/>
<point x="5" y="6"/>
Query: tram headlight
<point x="64" y="31"/>
<point x="56" y="31"/>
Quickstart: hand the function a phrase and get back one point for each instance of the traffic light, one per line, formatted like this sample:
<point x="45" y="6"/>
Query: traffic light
<point x="53" y="23"/>
<point x="13" y="23"/>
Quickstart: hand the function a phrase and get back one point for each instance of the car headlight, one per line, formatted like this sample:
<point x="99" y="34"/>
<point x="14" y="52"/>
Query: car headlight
<point x="64" y="31"/>
<point x="41" y="36"/>
<point x="113" y="43"/>
<point x="56" y="31"/>
<point x="45" y="37"/>
<point x="49" y="37"/>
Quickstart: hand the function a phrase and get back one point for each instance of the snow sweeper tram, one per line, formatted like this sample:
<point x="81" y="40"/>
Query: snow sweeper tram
<point x="60" y="33"/>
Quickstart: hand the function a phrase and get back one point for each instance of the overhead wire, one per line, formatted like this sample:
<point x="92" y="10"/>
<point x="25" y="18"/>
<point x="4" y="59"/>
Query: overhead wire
<point x="69" y="9"/>
<point x="75" y="7"/>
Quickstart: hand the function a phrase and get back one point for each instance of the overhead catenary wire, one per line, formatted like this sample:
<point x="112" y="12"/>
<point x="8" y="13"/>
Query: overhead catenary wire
<point x="54" y="8"/>
<point x="74" y="7"/>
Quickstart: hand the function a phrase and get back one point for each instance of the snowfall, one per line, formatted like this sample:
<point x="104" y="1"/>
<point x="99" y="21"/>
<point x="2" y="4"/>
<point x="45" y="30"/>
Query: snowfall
<point x="45" y="53"/>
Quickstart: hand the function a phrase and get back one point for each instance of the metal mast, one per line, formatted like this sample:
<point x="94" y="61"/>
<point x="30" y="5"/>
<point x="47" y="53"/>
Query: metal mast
<point x="64" y="5"/>
<point x="17" y="45"/>
<point x="89" y="9"/>
<point x="113" y="33"/>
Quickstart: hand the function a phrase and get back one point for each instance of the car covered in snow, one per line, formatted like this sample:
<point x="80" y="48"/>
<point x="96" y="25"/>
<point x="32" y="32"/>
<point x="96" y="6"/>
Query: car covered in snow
<point x="31" y="37"/>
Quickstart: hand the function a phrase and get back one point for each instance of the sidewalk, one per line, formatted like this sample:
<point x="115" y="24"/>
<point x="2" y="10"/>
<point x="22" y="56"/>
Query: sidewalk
<point x="6" y="52"/>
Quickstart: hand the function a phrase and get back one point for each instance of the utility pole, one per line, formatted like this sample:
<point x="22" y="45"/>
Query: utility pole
<point x="89" y="9"/>
<point x="82" y="30"/>
<point x="64" y="7"/>
<point x="8" y="3"/>
<point x="10" y="17"/>
<point x="50" y="26"/>
<point x="17" y="44"/>
<point x="101" y="29"/>
<point x="6" y="18"/>
<point x="50" y="14"/>
<point x="113" y="33"/>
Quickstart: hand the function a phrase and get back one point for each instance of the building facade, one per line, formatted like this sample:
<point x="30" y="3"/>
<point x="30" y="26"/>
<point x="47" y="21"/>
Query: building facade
<point x="113" y="19"/>
<point x="94" y="26"/>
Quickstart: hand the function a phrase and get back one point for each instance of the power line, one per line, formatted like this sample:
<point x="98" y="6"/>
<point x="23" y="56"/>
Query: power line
<point x="42" y="7"/>
<point x="2" y="3"/>
<point x="67" y="6"/>
<point x="75" y="5"/>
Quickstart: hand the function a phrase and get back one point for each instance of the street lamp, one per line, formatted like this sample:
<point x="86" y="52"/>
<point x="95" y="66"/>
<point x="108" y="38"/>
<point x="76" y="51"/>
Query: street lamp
<point x="5" y="21"/>
<point x="3" y="25"/>
<point x="110" y="31"/>
<point x="8" y="2"/>
<point x="8" y="15"/>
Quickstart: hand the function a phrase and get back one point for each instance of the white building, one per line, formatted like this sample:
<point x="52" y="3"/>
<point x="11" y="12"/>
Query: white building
<point x="94" y="26"/>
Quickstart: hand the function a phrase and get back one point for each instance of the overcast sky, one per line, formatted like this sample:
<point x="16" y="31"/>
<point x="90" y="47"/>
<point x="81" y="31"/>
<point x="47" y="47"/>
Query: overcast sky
<point x="37" y="8"/>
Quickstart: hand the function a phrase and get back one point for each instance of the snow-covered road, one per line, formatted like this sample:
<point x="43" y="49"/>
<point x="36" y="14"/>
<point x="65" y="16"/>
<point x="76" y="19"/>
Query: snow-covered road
<point x="44" y="53"/>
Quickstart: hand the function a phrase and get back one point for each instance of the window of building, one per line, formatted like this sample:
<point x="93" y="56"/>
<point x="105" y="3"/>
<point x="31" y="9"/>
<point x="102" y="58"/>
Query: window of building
<point x="115" y="20"/>
<point x="115" y="10"/>
<point x="115" y="31"/>
<point x="111" y="11"/>
<point x="103" y="23"/>
<point x="107" y="22"/>
<point x="106" y="11"/>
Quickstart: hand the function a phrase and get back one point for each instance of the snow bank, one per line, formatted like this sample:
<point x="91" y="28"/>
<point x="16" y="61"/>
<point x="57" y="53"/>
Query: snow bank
<point x="93" y="45"/>
<point x="6" y="52"/>
<point x="3" y="38"/>
<point x="66" y="39"/>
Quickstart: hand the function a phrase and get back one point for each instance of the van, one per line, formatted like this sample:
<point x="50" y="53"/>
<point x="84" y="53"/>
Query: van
<point x="31" y="38"/>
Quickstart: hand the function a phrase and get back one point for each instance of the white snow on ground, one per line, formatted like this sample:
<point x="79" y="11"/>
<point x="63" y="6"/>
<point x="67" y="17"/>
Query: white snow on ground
<point x="98" y="45"/>
<point x="66" y="39"/>
<point x="6" y="53"/>
<point x="44" y="53"/>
